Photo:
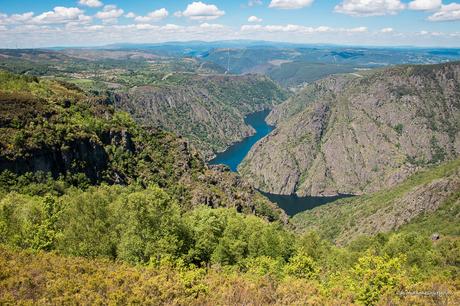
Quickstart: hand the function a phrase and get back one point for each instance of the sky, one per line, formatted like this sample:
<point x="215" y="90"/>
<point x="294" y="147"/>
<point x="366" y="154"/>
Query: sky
<point x="48" y="23"/>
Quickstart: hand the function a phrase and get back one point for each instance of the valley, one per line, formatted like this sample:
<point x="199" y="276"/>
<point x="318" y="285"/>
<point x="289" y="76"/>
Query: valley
<point x="234" y="155"/>
<point x="229" y="173"/>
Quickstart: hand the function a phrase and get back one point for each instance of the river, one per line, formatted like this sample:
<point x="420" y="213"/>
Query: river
<point x="235" y="154"/>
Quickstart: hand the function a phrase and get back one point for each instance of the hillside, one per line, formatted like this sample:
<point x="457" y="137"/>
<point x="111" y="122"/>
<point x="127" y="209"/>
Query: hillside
<point x="427" y="203"/>
<point x="95" y="209"/>
<point x="207" y="110"/>
<point x="265" y="57"/>
<point x="54" y="128"/>
<point x="184" y="95"/>
<point x="359" y="133"/>
<point x="294" y="74"/>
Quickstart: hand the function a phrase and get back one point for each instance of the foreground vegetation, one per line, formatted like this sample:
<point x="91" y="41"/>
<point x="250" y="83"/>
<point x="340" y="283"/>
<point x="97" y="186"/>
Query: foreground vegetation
<point x="137" y="217"/>
<point x="140" y="248"/>
<point x="132" y="244"/>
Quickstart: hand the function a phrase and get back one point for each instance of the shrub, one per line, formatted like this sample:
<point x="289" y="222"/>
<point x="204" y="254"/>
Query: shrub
<point x="375" y="276"/>
<point x="302" y="266"/>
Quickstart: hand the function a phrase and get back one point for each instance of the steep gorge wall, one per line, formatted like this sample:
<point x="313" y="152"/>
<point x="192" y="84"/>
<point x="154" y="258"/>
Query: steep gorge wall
<point x="353" y="135"/>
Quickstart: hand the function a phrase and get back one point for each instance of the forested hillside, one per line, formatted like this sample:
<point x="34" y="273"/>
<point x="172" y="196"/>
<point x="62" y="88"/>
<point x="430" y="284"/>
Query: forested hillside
<point x="429" y="201"/>
<point x="187" y="96"/>
<point x="55" y="135"/>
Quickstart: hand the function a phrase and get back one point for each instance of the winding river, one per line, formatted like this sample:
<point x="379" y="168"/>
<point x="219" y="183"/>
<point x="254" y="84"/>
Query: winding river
<point x="235" y="154"/>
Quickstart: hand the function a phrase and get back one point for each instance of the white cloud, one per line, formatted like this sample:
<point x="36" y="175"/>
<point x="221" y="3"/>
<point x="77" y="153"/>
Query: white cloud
<point x="91" y="3"/>
<point x="76" y="33"/>
<point x="145" y="26"/>
<point x="255" y="19"/>
<point x="369" y="7"/>
<point x="109" y="13"/>
<point x="60" y="15"/>
<point x="130" y="15"/>
<point x="300" y="29"/>
<point x="387" y="30"/>
<point x="254" y="2"/>
<point x="171" y="27"/>
<point x="290" y="4"/>
<point x="449" y="12"/>
<point x="21" y="18"/>
<point x="152" y="16"/>
<point x="96" y="27"/>
<point x="201" y="11"/>
<point x="211" y="26"/>
<point x="425" y="5"/>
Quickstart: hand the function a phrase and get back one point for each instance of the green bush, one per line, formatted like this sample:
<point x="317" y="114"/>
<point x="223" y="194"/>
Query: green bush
<point x="374" y="277"/>
<point x="302" y="266"/>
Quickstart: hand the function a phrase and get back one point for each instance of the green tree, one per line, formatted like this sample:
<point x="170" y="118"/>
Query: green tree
<point x="29" y="222"/>
<point x="375" y="276"/>
<point x="302" y="266"/>
<point x="233" y="246"/>
<point x="149" y="227"/>
<point x="88" y="228"/>
<point x="264" y="266"/>
<point x="417" y="249"/>
<point x="207" y="226"/>
<point x="268" y="239"/>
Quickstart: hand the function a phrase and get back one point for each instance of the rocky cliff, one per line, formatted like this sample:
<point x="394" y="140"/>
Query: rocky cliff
<point x="359" y="133"/>
<point x="207" y="110"/>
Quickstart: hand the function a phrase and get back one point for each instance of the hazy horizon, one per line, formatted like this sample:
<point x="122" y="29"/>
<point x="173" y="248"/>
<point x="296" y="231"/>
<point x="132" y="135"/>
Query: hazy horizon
<point x="236" y="42"/>
<point x="93" y="23"/>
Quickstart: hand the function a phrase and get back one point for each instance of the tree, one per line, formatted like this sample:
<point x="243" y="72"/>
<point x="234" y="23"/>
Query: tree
<point x="87" y="223"/>
<point x="207" y="226"/>
<point x="149" y="227"/>
<point x="301" y="266"/>
<point x="374" y="276"/>
<point x="29" y="222"/>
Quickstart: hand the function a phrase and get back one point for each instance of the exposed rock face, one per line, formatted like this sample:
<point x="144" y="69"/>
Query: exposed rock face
<point x="422" y="199"/>
<point x="207" y="110"/>
<point x="353" y="135"/>
<point x="90" y="155"/>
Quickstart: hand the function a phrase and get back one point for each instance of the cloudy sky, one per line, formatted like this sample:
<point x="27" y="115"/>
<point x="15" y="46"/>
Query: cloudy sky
<point x="45" y="23"/>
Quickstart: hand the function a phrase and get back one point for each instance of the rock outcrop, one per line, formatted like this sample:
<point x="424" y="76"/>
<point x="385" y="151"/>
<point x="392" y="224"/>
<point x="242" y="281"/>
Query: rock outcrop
<point x="355" y="134"/>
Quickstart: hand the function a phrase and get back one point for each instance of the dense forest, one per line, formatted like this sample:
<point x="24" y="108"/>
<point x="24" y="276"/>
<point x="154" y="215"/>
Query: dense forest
<point x="95" y="209"/>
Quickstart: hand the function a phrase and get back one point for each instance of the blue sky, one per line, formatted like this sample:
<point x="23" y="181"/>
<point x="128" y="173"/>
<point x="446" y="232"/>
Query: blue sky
<point x="44" y="23"/>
